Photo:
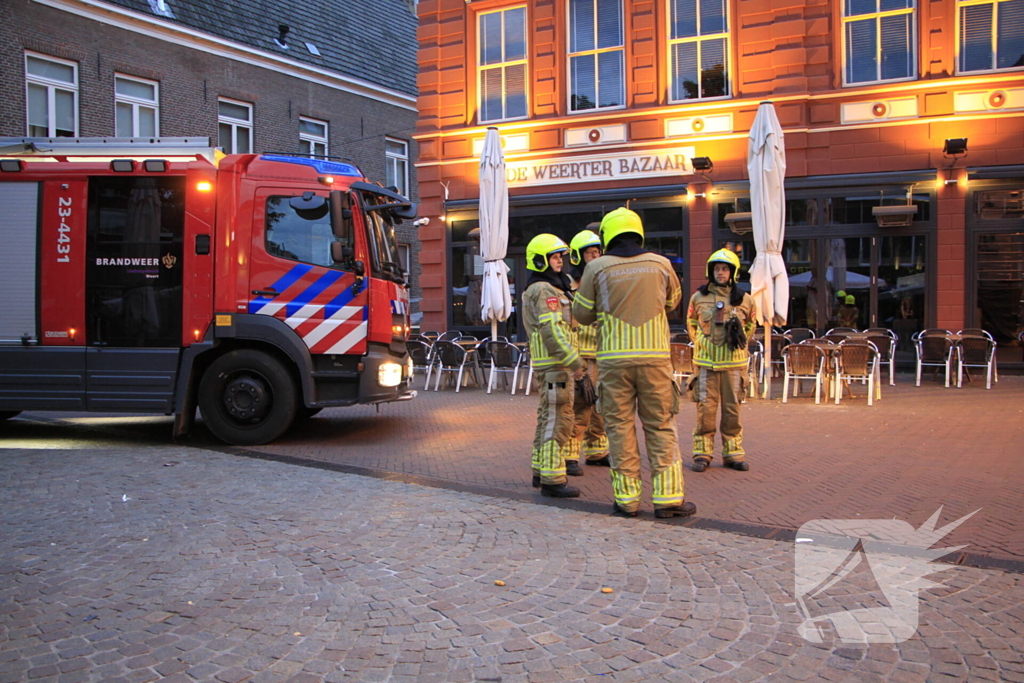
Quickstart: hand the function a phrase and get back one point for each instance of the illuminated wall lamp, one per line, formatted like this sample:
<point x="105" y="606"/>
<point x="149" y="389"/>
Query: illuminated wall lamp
<point x="740" y="223"/>
<point x="949" y="181"/>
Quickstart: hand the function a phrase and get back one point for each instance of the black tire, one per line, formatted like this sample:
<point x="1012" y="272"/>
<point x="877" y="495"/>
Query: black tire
<point x="8" y="414"/>
<point x="247" y="398"/>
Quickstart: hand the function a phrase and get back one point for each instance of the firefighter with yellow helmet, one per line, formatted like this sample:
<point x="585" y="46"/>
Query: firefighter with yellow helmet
<point x="588" y="434"/>
<point x="556" y="359"/>
<point x="630" y="292"/>
<point x="721" y="317"/>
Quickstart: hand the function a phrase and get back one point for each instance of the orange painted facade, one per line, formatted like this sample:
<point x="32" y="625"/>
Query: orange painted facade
<point x="887" y="135"/>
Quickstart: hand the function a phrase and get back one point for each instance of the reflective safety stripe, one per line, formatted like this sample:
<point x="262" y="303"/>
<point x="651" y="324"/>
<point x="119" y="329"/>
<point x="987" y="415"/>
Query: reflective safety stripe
<point x="626" y="489"/>
<point x="667" y="486"/>
<point x="584" y="301"/>
<point x="598" y="446"/>
<point x="619" y="339"/>
<point x="548" y="460"/>
<point x="587" y="335"/>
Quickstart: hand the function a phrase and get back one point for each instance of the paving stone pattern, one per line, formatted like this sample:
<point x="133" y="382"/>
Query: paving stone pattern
<point x="180" y="564"/>
<point x="914" y="451"/>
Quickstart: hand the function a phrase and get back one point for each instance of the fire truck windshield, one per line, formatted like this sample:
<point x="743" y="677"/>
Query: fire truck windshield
<point x="381" y="234"/>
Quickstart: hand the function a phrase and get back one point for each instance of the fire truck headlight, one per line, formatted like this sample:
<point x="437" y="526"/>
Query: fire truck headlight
<point x="389" y="374"/>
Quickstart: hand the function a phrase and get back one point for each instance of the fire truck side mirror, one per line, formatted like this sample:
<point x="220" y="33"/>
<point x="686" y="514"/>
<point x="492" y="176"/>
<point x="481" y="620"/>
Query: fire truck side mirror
<point x="359" y="268"/>
<point x="340" y="253"/>
<point x="341" y="216"/>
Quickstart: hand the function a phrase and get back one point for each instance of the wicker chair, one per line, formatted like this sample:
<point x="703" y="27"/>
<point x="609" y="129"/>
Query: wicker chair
<point x="798" y="334"/>
<point x="857" y="359"/>
<point x="682" y="362"/>
<point x="502" y="357"/>
<point x="886" y="345"/>
<point x="934" y="350"/>
<point x="422" y="359"/>
<point x="452" y="358"/>
<point x="976" y="352"/>
<point x="803" y="361"/>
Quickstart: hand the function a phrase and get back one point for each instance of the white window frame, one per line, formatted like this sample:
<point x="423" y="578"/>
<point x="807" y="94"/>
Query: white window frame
<point x="878" y="16"/>
<point x="51" y="86"/>
<point x="314" y="140"/>
<point x="481" y="68"/>
<point x="392" y="161"/>
<point x="235" y="124"/>
<point x="621" y="48"/>
<point x="992" y="36"/>
<point x="405" y="256"/>
<point x="699" y="38"/>
<point x="136" y="103"/>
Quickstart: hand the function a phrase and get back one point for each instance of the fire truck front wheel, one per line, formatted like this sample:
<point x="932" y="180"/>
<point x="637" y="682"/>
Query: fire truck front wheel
<point x="247" y="398"/>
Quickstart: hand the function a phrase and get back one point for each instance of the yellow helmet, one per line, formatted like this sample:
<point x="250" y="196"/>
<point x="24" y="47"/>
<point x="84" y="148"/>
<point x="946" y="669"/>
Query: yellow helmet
<point x="580" y="243"/>
<point x="619" y="222"/>
<point x="727" y="257"/>
<point x="540" y="247"/>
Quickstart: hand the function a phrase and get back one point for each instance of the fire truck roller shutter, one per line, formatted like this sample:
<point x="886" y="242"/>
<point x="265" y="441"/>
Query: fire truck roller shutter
<point x="20" y="202"/>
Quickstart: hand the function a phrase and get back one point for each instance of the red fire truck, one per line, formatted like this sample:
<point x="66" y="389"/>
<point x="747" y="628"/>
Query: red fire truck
<point x="161" y="275"/>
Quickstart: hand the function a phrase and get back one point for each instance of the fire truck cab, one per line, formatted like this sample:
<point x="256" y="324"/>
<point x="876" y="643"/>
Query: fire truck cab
<point x="156" y="276"/>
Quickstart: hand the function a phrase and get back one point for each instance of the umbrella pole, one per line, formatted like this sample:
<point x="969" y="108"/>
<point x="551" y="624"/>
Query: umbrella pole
<point x="494" y="329"/>
<point x="767" y="361"/>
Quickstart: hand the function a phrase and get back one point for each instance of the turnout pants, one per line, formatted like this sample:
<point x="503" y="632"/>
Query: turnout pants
<point x="555" y="419"/>
<point x="588" y="432"/>
<point x="713" y="389"/>
<point x="650" y="391"/>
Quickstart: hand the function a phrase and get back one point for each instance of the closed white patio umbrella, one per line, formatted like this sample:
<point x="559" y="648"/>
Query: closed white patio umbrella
<point x="496" y="301"/>
<point x="769" y="282"/>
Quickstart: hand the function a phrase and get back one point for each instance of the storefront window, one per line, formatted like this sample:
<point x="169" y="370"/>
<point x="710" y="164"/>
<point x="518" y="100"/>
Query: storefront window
<point x="996" y="205"/>
<point x="855" y="210"/>
<point x="902" y="272"/>
<point x="1000" y="264"/>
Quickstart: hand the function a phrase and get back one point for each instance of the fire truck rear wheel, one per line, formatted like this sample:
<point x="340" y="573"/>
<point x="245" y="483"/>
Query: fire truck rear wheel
<point x="247" y="398"/>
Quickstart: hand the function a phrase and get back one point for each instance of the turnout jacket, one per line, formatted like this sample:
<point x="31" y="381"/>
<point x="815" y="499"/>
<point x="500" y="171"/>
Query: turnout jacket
<point x="586" y="334"/>
<point x="630" y="297"/>
<point x="548" y="321"/>
<point x="709" y="347"/>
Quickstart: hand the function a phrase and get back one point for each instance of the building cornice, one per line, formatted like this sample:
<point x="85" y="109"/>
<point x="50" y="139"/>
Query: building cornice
<point x="170" y="32"/>
<point x="697" y="108"/>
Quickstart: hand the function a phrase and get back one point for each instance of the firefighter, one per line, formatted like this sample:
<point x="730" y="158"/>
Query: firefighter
<point x="629" y="292"/>
<point x="548" y="320"/>
<point x="588" y="434"/>
<point x="721" y="317"/>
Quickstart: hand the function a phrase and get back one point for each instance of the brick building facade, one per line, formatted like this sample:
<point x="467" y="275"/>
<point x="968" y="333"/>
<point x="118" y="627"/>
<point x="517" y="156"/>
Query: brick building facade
<point x="326" y="84"/>
<point x="604" y="103"/>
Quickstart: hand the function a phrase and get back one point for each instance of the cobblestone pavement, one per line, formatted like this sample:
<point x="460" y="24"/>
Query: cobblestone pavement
<point x="143" y="563"/>
<point x="915" y="450"/>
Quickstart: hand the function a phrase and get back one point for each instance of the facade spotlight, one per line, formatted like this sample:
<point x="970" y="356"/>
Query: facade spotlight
<point x="704" y="163"/>
<point x="954" y="147"/>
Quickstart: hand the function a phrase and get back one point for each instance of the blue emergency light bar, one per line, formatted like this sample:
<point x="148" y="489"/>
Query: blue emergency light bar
<point x="322" y="166"/>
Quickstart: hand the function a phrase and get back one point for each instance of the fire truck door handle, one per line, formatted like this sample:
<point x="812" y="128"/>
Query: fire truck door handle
<point x="265" y="292"/>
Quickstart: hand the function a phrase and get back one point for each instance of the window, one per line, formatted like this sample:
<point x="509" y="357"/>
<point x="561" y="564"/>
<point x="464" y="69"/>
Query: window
<point x="596" y="55"/>
<point x="699" y="48"/>
<point x="234" y="121"/>
<point x="397" y="159"/>
<point x="52" y="97"/>
<point x="991" y="35"/>
<point x="299" y="235"/>
<point x="502" y="65"/>
<point x="136" y="108"/>
<point x="880" y="40"/>
<point x="313" y="137"/>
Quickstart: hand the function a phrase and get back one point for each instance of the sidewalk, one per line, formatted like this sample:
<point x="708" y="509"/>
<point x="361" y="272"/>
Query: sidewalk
<point x="180" y="564"/>
<point x="915" y="450"/>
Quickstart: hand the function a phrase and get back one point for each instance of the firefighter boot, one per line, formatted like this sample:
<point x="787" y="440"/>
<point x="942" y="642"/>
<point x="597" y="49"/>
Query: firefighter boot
<point x="740" y="465"/>
<point x="601" y="462"/>
<point x="700" y="464"/>
<point x="616" y="510"/>
<point x="573" y="469"/>
<point x="684" y="509"/>
<point x="536" y="481"/>
<point x="559" y="491"/>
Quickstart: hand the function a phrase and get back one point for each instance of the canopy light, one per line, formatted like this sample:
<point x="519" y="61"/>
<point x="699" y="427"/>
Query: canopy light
<point x="894" y="216"/>
<point x="10" y="165"/>
<point x="740" y="223"/>
<point x="122" y="166"/>
<point x="155" y="165"/>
